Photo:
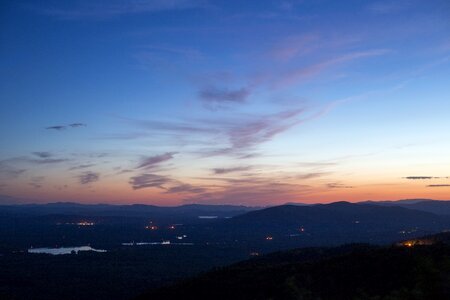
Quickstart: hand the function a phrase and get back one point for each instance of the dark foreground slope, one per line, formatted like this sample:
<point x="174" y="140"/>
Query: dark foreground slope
<point x="348" y="272"/>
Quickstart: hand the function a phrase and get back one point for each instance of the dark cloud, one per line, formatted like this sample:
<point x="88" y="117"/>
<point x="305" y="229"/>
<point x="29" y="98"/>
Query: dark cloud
<point x="176" y="127"/>
<point x="79" y="167"/>
<point x="230" y="170"/>
<point x="438" y="185"/>
<point x="216" y="95"/>
<point x="152" y="161"/>
<point x="62" y="127"/>
<point x="73" y="125"/>
<point x="36" y="182"/>
<point x="47" y="160"/>
<point x="335" y="185"/>
<point x="185" y="188"/>
<point x="149" y="180"/>
<point x="43" y="158"/>
<point x="88" y="177"/>
<point x="422" y="177"/>
<point x="9" y="172"/>
<point x="57" y="127"/>
<point x="43" y="154"/>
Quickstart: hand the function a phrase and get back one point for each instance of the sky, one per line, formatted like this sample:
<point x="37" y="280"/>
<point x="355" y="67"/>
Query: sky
<point x="170" y="102"/>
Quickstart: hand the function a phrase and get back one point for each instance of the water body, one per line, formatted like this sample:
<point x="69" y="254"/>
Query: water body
<point x="156" y="243"/>
<point x="63" y="250"/>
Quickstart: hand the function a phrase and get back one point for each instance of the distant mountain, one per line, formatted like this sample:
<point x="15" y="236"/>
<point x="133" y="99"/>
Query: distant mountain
<point x="134" y="210"/>
<point x="342" y="273"/>
<point x="329" y="224"/>
<point x="440" y="207"/>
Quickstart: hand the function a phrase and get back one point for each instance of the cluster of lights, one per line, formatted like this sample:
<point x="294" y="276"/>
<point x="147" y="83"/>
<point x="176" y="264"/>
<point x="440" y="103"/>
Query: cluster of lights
<point x="151" y="227"/>
<point x="85" y="223"/>
<point x="411" y="243"/>
<point x="269" y="238"/>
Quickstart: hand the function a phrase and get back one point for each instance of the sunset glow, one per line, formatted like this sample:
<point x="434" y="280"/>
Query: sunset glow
<point x="252" y="102"/>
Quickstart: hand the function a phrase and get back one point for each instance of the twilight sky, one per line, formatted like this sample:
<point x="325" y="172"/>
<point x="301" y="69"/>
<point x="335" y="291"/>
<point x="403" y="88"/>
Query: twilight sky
<point x="239" y="102"/>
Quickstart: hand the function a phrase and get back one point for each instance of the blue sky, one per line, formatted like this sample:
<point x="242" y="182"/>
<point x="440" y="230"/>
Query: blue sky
<point x="241" y="102"/>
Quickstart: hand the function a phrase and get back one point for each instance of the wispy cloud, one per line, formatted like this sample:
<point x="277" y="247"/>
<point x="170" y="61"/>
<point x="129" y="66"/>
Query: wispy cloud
<point x="101" y="10"/>
<point x="152" y="161"/>
<point x="438" y="185"/>
<point x="302" y="74"/>
<point x="389" y="6"/>
<point x="295" y="46"/>
<point x="318" y="164"/>
<point x="235" y="136"/>
<point x="253" y="132"/>
<point x="88" y="177"/>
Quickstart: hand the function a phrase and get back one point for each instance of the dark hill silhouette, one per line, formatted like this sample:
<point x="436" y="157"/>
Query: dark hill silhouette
<point x="440" y="207"/>
<point x="346" y="272"/>
<point x="330" y="224"/>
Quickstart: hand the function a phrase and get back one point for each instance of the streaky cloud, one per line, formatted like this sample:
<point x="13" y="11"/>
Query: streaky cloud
<point x="311" y="175"/>
<point x="82" y="166"/>
<point x="48" y="161"/>
<point x="299" y="75"/>
<point x="56" y="127"/>
<point x="152" y="161"/>
<point x="185" y="188"/>
<point x="336" y="185"/>
<point x="230" y="170"/>
<point x="419" y="177"/>
<point x="148" y="181"/>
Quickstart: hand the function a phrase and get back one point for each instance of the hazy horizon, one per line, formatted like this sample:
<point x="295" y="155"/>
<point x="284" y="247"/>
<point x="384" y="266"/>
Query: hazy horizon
<point x="13" y="201"/>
